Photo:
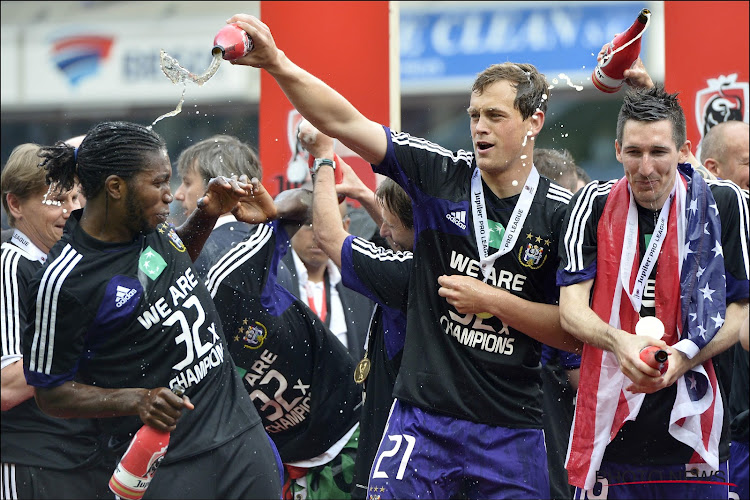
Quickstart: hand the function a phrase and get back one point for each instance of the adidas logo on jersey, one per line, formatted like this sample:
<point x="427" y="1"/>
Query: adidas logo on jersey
<point x="123" y="295"/>
<point x="458" y="218"/>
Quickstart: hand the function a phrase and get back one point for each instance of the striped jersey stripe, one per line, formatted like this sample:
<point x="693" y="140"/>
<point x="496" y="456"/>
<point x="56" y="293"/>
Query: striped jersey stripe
<point x="237" y="256"/>
<point x="11" y="320"/>
<point x="371" y="250"/>
<point x="417" y="142"/>
<point x="743" y="226"/>
<point x="579" y="215"/>
<point x="43" y="344"/>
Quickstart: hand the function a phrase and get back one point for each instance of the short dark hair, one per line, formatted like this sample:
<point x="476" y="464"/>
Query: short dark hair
<point x="392" y="196"/>
<point x="220" y="155"/>
<point x="653" y="105"/>
<point x="532" y="90"/>
<point x="109" y="148"/>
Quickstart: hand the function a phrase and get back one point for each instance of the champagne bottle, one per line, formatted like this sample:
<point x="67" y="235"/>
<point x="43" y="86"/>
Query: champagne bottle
<point x="655" y="357"/>
<point x="140" y="461"/>
<point x="233" y="42"/>
<point x="622" y="52"/>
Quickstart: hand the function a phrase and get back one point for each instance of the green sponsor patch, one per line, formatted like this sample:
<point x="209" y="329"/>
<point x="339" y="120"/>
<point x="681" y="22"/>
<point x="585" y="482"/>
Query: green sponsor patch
<point x="497" y="231"/>
<point x="151" y="263"/>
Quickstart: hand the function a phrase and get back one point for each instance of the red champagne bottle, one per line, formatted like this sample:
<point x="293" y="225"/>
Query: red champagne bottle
<point x="655" y="357"/>
<point x="139" y="463"/>
<point x="608" y="74"/>
<point x="233" y="42"/>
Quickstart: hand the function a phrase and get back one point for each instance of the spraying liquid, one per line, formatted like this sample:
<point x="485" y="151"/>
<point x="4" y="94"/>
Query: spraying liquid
<point x="177" y="74"/>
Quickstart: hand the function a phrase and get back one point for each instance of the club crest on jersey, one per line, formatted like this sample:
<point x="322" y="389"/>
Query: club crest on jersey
<point x="175" y="240"/>
<point x="533" y="255"/>
<point x="252" y="335"/>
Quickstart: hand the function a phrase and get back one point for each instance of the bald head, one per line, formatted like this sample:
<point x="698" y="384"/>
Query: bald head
<point x="725" y="152"/>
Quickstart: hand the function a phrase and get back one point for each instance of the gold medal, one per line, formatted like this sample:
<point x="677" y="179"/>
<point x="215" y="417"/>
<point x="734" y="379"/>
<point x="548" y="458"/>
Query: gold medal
<point x="483" y="315"/>
<point x="362" y="370"/>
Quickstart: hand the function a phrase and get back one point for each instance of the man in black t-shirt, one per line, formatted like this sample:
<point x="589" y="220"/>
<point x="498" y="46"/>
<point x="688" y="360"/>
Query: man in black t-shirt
<point x="659" y="242"/>
<point x="467" y="416"/>
<point x="120" y="318"/>
<point x="377" y="273"/>
<point x="43" y="456"/>
<point x="298" y="374"/>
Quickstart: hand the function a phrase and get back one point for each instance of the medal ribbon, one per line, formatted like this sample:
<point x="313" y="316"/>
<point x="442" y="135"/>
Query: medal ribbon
<point x="515" y="223"/>
<point x="630" y="243"/>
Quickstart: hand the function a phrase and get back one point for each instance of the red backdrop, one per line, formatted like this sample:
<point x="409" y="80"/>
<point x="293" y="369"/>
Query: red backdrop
<point x="705" y="44"/>
<point x="345" y="44"/>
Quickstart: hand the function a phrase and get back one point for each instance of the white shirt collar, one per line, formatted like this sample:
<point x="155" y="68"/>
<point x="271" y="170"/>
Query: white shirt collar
<point x="225" y="219"/>
<point x="24" y="242"/>
<point x="334" y="275"/>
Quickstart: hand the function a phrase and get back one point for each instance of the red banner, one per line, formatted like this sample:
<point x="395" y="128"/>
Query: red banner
<point x="345" y="44"/>
<point x="706" y="53"/>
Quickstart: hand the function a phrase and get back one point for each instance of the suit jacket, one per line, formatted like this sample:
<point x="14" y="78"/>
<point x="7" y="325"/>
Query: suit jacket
<point x="357" y="308"/>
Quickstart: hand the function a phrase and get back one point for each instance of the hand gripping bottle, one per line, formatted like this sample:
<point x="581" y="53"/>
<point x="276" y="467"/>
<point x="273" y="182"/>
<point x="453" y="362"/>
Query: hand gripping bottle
<point x="233" y="42"/>
<point x="140" y="461"/>
<point x="655" y="357"/>
<point x="622" y="52"/>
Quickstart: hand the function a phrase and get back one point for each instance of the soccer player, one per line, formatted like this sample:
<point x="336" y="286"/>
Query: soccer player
<point x="43" y="456"/>
<point x="298" y="374"/>
<point x="219" y="155"/>
<point x="378" y="273"/>
<point x="467" y="415"/>
<point x="120" y="318"/>
<point x="658" y="242"/>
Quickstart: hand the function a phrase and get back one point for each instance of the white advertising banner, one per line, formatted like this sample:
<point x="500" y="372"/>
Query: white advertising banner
<point x="115" y="63"/>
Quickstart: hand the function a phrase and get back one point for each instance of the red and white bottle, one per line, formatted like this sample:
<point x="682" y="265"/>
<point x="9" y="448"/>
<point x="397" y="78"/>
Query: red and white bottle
<point x="139" y="463"/>
<point x="655" y="357"/>
<point x="608" y="74"/>
<point x="233" y="42"/>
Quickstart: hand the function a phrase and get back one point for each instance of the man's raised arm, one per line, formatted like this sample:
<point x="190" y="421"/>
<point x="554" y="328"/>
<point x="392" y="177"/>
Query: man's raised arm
<point x="325" y="108"/>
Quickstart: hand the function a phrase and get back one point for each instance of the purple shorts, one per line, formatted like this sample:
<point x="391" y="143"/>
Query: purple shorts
<point x="738" y="471"/>
<point x="634" y="482"/>
<point x="429" y="455"/>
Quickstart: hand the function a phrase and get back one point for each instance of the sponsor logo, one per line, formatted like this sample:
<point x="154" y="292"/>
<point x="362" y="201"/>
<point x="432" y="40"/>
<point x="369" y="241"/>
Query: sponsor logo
<point x="123" y="294"/>
<point x="151" y="263"/>
<point x="80" y="56"/>
<point x="458" y="218"/>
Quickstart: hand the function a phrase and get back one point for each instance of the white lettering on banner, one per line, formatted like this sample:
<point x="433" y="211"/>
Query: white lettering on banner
<point x="503" y="30"/>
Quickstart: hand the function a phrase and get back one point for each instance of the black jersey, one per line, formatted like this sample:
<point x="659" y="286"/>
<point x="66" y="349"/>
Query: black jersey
<point x="29" y="436"/>
<point x="119" y="315"/>
<point x="646" y="440"/>
<point x="298" y="374"/>
<point x="383" y="276"/>
<point x="461" y="364"/>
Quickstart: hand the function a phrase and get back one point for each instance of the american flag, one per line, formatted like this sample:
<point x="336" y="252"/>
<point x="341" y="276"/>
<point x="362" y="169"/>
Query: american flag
<point x="692" y="250"/>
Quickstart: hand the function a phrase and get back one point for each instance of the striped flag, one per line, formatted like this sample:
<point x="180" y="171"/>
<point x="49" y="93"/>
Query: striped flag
<point x="692" y="261"/>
